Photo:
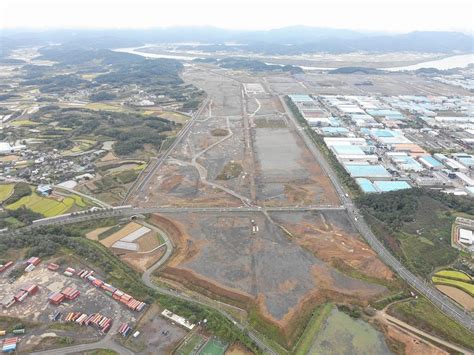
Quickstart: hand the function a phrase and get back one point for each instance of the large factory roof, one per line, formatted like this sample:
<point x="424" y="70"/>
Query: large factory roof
<point x="386" y="186"/>
<point x="376" y="171"/>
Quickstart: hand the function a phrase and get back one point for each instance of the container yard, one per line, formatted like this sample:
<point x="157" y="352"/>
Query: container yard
<point x="46" y="295"/>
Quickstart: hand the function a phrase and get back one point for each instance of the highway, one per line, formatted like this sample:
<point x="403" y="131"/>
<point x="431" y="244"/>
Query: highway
<point x="441" y="301"/>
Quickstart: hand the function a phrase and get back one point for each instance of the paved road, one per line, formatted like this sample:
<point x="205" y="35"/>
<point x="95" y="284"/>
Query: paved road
<point x="407" y="327"/>
<point x="441" y="301"/>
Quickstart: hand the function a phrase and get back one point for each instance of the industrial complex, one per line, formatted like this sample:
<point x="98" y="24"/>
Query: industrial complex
<point x="394" y="143"/>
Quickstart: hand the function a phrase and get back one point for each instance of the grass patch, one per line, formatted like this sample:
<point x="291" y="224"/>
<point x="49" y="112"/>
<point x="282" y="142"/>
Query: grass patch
<point x="269" y="123"/>
<point x="219" y="132"/>
<point x="11" y="323"/>
<point x="101" y="352"/>
<point x="23" y="123"/>
<point x="230" y="171"/>
<point x="99" y="106"/>
<point x="109" y="232"/>
<point x="422" y="314"/>
<point x="312" y="329"/>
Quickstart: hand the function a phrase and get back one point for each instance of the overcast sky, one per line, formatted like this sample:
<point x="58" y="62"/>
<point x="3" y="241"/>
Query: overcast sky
<point x="382" y="15"/>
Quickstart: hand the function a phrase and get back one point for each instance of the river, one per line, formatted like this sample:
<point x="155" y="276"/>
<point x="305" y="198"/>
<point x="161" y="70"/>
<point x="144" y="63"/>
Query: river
<point x="456" y="61"/>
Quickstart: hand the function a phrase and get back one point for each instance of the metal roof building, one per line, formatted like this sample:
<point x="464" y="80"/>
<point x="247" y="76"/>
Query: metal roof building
<point x="367" y="171"/>
<point x="431" y="163"/>
<point x="386" y="186"/>
<point x="366" y="185"/>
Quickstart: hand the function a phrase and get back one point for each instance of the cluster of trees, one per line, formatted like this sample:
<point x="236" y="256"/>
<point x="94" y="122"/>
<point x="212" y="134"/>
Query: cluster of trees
<point x="21" y="189"/>
<point x="146" y="72"/>
<point x="392" y="208"/>
<point x="102" y="96"/>
<point x="131" y="130"/>
<point x="58" y="83"/>
<point x="256" y="65"/>
<point x="22" y="215"/>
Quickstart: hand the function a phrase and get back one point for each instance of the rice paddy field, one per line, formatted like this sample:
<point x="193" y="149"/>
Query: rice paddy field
<point x="453" y="274"/>
<point x="464" y="286"/>
<point x="5" y="191"/>
<point x="47" y="206"/>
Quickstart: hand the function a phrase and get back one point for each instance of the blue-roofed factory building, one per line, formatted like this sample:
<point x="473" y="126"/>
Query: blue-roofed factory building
<point x="367" y="171"/>
<point x="368" y="186"/>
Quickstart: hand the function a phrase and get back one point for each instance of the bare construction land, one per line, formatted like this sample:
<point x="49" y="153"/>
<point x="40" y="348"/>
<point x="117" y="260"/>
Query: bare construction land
<point x="223" y="255"/>
<point x="244" y="125"/>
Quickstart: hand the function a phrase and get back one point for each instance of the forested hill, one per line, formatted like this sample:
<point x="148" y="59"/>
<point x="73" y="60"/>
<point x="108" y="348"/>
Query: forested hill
<point x="287" y="40"/>
<point x="118" y="68"/>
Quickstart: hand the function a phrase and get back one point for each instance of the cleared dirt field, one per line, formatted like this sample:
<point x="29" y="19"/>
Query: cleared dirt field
<point x="123" y="232"/>
<point x="461" y="297"/>
<point x="287" y="172"/>
<point x="331" y="237"/>
<point x="94" y="235"/>
<point x="220" y="254"/>
<point x="237" y="349"/>
<point x="141" y="262"/>
<point x="151" y="339"/>
<point x="412" y="345"/>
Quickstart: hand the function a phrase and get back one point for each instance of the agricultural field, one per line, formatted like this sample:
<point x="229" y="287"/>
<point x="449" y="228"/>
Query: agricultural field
<point x="136" y="244"/>
<point x="49" y="206"/>
<point x="5" y="191"/>
<point x="464" y="286"/>
<point x="455" y="275"/>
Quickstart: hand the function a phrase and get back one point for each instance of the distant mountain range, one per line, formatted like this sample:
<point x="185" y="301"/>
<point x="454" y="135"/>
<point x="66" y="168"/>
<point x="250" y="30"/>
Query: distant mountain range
<point x="287" y="40"/>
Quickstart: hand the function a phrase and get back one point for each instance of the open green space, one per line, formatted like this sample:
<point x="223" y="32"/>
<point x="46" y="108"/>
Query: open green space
<point x="416" y="225"/>
<point x="213" y="347"/>
<point x="422" y="314"/>
<point x="230" y="171"/>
